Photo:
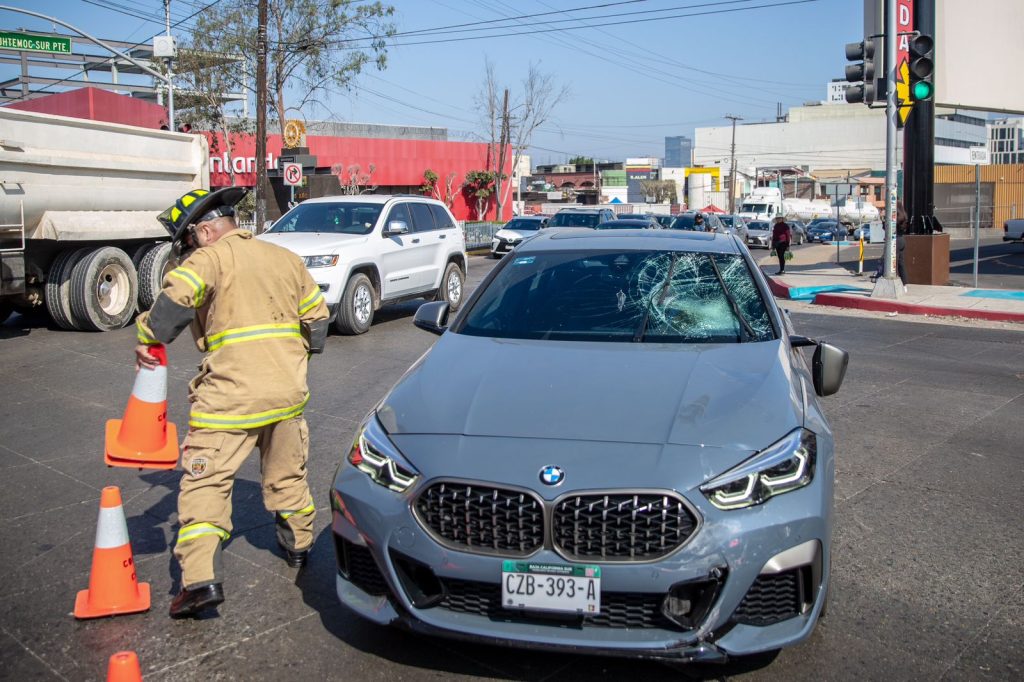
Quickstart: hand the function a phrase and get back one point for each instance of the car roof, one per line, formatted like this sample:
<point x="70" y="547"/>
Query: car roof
<point x="368" y="199"/>
<point x="587" y="239"/>
<point x="582" y="210"/>
<point x="528" y="217"/>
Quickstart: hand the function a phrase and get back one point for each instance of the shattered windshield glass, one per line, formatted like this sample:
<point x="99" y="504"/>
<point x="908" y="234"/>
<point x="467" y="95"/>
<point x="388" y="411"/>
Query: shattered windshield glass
<point x="630" y="296"/>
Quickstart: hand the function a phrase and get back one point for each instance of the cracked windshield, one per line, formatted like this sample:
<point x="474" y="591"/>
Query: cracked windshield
<point x="638" y="296"/>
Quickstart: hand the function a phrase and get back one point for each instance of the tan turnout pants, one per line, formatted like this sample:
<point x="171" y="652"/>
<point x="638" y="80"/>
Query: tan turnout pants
<point x="211" y="459"/>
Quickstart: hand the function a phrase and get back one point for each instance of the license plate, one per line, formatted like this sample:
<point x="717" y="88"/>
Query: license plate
<point x="551" y="587"/>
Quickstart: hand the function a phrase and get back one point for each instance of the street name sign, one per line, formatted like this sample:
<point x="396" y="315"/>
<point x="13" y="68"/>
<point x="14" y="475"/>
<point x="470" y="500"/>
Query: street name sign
<point x="33" y="43"/>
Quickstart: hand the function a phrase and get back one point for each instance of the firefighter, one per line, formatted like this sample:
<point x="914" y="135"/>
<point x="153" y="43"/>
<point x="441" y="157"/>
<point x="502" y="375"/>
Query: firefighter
<point x="257" y="314"/>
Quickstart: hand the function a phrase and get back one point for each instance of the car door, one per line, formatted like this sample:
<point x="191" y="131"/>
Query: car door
<point x="430" y="246"/>
<point x="402" y="261"/>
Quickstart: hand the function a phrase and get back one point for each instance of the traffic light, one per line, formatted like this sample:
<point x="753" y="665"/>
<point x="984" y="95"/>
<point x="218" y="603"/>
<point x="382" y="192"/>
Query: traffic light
<point x="861" y="76"/>
<point x="922" y="68"/>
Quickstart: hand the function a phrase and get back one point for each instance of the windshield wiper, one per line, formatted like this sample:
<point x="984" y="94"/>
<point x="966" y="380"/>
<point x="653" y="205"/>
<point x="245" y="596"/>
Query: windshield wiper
<point x="638" y="335"/>
<point x="748" y="332"/>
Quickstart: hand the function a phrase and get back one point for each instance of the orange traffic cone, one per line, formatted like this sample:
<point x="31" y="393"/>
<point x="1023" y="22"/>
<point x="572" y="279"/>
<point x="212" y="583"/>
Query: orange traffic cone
<point x="113" y="587"/>
<point x="144" y="439"/>
<point x="124" y="667"/>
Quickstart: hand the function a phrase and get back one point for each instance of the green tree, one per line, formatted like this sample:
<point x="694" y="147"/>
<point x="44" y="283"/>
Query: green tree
<point x="312" y="45"/>
<point x="581" y="161"/>
<point x="479" y="185"/>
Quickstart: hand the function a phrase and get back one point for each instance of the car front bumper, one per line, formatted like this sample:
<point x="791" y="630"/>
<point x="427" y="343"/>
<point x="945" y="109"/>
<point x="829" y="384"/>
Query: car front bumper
<point x="755" y="240"/>
<point x="739" y="546"/>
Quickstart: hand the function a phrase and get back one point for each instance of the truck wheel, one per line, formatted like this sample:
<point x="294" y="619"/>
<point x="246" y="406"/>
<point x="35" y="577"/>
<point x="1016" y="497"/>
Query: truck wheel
<point x="58" y="285"/>
<point x="452" y="287"/>
<point x="155" y="264"/>
<point x="104" y="288"/>
<point x="355" y="314"/>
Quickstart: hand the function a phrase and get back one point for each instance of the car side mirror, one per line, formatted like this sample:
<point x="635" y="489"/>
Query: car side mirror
<point x="397" y="228"/>
<point x="267" y="225"/>
<point x="432" y="317"/>
<point x="829" y="368"/>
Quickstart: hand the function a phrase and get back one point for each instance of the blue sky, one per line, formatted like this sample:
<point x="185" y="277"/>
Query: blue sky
<point x="630" y="84"/>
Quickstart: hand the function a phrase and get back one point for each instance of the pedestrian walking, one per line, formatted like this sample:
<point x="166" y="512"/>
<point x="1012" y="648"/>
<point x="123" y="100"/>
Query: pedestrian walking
<point x="257" y="314"/>
<point x="781" y="237"/>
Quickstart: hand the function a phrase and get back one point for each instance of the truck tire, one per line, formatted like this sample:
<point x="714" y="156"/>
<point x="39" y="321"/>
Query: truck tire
<point x="152" y="268"/>
<point x="58" y="286"/>
<point x="355" y="313"/>
<point x="453" y="287"/>
<point x="104" y="289"/>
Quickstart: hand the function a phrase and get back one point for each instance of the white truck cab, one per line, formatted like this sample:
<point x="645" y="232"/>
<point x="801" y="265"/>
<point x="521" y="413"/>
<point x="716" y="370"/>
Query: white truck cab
<point x="370" y="249"/>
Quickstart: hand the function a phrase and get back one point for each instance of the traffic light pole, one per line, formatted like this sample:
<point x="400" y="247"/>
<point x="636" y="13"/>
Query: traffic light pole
<point x="888" y="286"/>
<point x="919" y="144"/>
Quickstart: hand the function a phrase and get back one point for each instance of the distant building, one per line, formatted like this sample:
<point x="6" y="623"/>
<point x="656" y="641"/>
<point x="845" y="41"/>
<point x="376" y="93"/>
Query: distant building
<point x="638" y="171"/>
<point x="1006" y="140"/>
<point x="678" y="151"/>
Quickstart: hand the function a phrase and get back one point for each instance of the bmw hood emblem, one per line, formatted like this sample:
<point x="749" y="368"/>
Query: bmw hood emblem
<point x="552" y="475"/>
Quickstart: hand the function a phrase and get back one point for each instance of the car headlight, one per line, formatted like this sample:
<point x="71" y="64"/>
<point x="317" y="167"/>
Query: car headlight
<point x="781" y="468"/>
<point x="320" y="261"/>
<point x="375" y="455"/>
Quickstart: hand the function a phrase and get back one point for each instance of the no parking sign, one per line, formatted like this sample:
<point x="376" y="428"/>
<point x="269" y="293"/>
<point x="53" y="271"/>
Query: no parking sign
<point x="292" y="174"/>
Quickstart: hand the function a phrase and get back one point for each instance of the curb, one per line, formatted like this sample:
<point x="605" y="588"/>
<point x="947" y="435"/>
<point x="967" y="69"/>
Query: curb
<point x="884" y="306"/>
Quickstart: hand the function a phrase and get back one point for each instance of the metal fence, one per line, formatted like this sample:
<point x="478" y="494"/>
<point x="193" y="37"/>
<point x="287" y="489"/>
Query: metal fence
<point x="479" y="234"/>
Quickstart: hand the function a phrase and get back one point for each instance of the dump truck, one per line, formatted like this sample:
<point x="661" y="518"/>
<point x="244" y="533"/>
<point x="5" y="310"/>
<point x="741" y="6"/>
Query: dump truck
<point x="79" y="199"/>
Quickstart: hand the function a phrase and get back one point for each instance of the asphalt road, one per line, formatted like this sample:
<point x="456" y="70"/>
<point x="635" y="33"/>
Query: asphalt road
<point x="928" y="557"/>
<point x="1000" y="264"/>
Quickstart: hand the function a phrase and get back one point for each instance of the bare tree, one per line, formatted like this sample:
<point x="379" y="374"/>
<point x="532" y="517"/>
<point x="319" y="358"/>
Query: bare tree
<point x="351" y="179"/>
<point x="661" y="191"/>
<point x="312" y="44"/>
<point x="530" y="107"/>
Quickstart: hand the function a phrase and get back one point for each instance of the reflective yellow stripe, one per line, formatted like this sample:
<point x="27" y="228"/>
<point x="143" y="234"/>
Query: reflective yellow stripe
<point x="202" y="420"/>
<point x="142" y="335"/>
<point x="305" y="511"/>
<point x="310" y="302"/>
<point x="193" y="280"/>
<point x="257" y="332"/>
<point x="197" y="530"/>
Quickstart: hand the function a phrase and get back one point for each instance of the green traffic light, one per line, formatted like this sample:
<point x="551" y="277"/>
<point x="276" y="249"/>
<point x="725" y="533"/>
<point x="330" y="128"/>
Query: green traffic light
<point x="921" y="91"/>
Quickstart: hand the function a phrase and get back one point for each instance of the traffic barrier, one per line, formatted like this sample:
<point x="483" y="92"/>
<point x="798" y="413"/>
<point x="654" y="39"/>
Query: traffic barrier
<point x="113" y="586"/>
<point x="144" y="439"/>
<point x="124" y="667"/>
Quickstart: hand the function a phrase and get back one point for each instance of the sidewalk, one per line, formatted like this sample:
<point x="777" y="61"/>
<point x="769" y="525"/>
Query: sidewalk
<point x="827" y="284"/>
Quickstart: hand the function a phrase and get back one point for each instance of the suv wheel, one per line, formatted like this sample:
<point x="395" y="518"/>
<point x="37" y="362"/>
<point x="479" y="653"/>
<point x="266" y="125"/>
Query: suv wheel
<point x="452" y="287"/>
<point x="356" y="312"/>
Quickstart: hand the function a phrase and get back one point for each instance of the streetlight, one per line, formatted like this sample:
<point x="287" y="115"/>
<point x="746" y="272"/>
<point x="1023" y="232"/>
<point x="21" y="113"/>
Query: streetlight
<point x="156" y="74"/>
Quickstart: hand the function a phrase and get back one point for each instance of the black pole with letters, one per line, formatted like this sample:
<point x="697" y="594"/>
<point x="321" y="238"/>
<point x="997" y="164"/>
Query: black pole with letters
<point x="919" y="144"/>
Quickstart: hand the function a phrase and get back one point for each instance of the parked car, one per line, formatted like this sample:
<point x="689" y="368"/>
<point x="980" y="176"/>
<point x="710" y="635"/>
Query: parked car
<point x="515" y="231"/>
<point x="581" y="217"/>
<point x="798" y="232"/>
<point x="759" y="233"/>
<point x="665" y="523"/>
<point x="863" y="231"/>
<point x="735" y="225"/>
<point x="629" y="224"/>
<point x="370" y="249"/>
<point x="1013" y="230"/>
<point x="826" y="231"/>
<point x="687" y="221"/>
<point x="665" y="221"/>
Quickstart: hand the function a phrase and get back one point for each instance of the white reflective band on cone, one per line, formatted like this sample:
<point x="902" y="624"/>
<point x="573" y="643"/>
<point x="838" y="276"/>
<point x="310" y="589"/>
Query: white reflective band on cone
<point x="151" y="384"/>
<point x="111" y="529"/>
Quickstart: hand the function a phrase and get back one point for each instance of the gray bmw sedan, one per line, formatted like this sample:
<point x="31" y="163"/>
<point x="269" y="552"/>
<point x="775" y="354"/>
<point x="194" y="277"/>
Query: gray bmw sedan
<point x="616" y="447"/>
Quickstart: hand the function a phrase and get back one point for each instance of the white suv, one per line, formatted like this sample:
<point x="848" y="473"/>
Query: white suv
<point x="370" y="249"/>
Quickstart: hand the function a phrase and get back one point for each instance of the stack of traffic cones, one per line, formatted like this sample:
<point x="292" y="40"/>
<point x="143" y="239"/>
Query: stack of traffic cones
<point x="144" y="439"/>
<point x="113" y="585"/>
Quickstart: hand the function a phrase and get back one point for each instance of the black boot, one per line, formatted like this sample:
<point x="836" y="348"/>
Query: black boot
<point x="190" y="602"/>
<point x="295" y="559"/>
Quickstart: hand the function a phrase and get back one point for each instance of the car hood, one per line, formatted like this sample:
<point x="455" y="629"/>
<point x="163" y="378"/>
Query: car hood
<point x="313" y="243"/>
<point x="506" y="233"/>
<point x="737" y="396"/>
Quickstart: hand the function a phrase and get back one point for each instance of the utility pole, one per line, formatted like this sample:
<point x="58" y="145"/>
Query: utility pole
<point x="887" y="285"/>
<point x="502" y="144"/>
<point x="261" y="116"/>
<point x="170" y="74"/>
<point x="732" y="166"/>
